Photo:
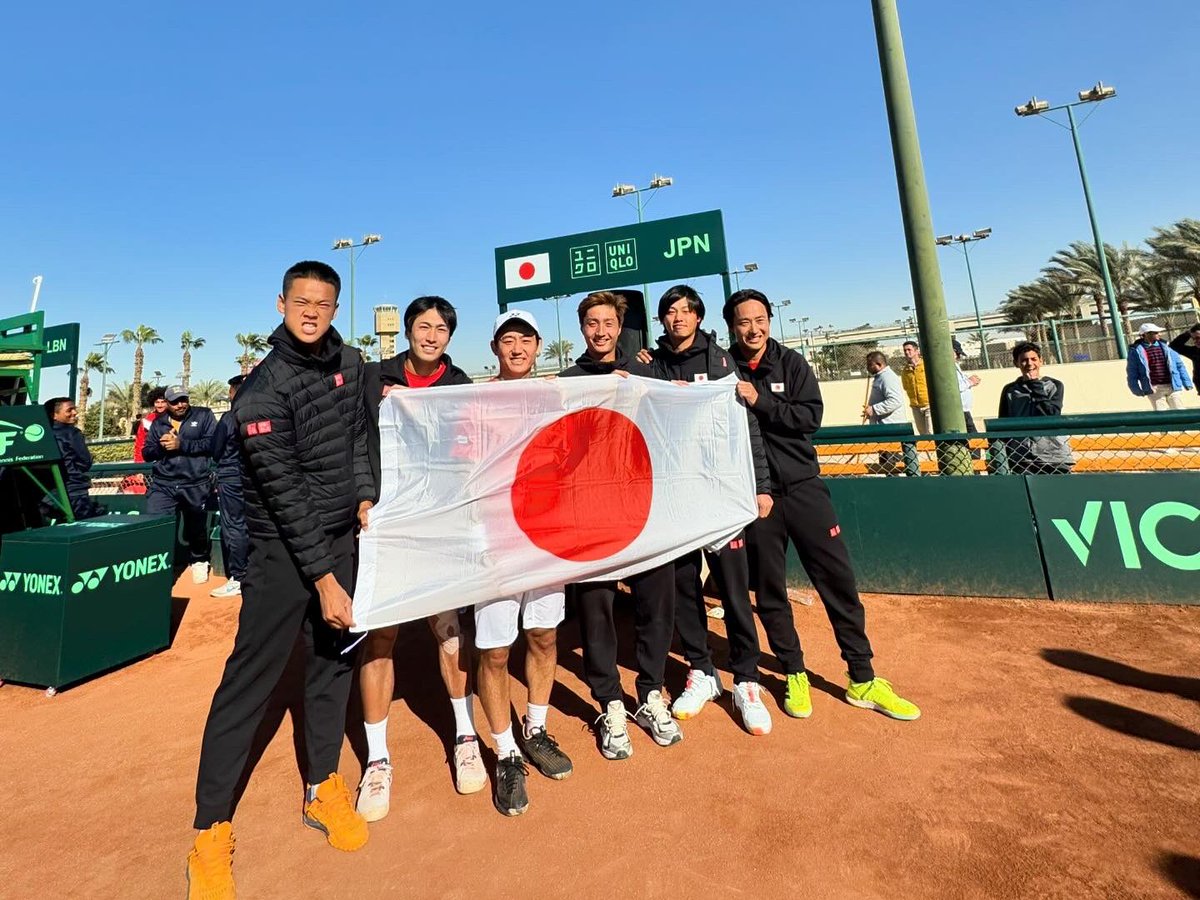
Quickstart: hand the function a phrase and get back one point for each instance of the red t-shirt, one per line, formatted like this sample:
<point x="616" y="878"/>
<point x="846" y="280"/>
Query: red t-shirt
<point x="420" y="381"/>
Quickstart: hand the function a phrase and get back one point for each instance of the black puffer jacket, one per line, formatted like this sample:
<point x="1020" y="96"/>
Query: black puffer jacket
<point x="303" y="431"/>
<point x="706" y="360"/>
<point x="377" y="376"/>
<point x="789" y="410"/>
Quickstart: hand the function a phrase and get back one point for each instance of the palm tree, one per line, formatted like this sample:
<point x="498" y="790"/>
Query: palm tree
<point x="1049" y="296"/>
<point x="366" y="344"/>
<point x="1158" y="291"/>
<point x="1081" y="265"/>
<point x="94" y="362"/>
<point x="1177" y="251"/>
<point x="139" y="336"/>
<point x="559" y="351"/>
<point x="209" y="392"/>
<point x="187" y="344"/>
<point x="252" y="344"/>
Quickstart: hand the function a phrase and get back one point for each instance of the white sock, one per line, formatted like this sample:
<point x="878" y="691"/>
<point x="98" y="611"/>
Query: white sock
<point x="376" y="740"/>
<point x="464" y="715"/>
<point x="506" y="743"/>
<point x="535" y="717"/>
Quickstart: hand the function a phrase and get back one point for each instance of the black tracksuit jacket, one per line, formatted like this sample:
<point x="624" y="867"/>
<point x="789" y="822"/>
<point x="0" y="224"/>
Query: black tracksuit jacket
<point x="377" y="376"/>
<point x="789" y="410"/>
<point x="303" y="431"/>
<point x="706" y="360"/>
<point x="585" y="365"/>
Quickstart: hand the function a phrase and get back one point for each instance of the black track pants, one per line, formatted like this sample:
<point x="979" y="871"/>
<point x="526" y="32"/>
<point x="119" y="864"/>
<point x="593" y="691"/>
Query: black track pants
<point x="277" y="604"/>
<point x="165" y="497"/>
<point x="654" y="623"/>
<point x="731" y="571"/>
<point x="234" y="541"/>
<point x="806" y="516"/>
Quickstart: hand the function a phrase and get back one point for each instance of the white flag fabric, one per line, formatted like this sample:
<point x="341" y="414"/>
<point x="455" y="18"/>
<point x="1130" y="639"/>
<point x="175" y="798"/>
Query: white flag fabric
<point x="524" y="271"/>
<point x="494" y="489"/>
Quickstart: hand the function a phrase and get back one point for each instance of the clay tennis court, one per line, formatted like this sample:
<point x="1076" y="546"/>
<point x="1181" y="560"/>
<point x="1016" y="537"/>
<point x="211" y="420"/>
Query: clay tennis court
<point x="1058" y="755"/>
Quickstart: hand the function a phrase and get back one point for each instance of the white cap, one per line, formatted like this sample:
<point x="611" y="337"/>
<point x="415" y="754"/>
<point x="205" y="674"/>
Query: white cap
<point x="519" y="315"/>
<point x="1150" y="326"/>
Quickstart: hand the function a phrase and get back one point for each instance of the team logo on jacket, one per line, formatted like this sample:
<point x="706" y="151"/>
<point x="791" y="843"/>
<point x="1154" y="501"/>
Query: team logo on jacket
<point x="835" y="531"/>
<point x="776" y="387"/>
<point x="700" y="376"/>
<point x="338" y="380"/>
<point x="263" y="427"/>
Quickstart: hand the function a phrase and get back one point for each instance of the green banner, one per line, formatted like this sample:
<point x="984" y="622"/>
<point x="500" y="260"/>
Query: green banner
<point x="61" y="345"/>
<point x="969" y="537"/>
<point x="1120" y="536"/>
<point x="25" y="436"/>
<point x="663" y="250"/>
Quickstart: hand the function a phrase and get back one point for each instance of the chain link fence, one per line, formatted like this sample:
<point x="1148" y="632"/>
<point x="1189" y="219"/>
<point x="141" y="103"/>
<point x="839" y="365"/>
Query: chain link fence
<point x="1142" y="442"/>
<point x="1062" y="341"/>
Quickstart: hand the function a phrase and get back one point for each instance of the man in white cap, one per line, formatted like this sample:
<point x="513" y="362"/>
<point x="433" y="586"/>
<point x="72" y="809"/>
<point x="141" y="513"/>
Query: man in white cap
<point x="516" y="341"/>
<point x="1156" y="371"/>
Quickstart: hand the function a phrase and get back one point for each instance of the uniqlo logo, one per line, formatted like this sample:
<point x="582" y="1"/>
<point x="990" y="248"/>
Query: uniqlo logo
<point x="835" y="531"/>
<point x="263" y="427"/>
<point x="737" y="544"/>
<point x="338" y="380"/>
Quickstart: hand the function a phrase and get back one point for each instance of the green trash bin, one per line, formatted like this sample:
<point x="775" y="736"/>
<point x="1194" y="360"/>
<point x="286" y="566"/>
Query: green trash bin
<point x="82" y="598"/>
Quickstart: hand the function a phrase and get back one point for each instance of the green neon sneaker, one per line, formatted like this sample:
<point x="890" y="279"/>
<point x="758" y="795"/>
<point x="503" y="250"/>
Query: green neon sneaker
<point x="797" y="701"/>
<point x="879" y="695"/>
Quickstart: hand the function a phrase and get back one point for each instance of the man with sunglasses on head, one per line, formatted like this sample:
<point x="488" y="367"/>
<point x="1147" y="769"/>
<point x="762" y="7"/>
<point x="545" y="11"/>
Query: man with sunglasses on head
<point x="179" y="443"/>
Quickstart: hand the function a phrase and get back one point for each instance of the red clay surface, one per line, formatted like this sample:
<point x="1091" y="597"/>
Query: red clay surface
<point x="1058" y="756"/>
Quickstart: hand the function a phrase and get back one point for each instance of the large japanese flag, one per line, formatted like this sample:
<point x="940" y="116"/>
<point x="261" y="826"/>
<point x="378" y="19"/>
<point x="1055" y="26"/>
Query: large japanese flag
<point x="526" y="271"/>
<point x="493" y="489"/>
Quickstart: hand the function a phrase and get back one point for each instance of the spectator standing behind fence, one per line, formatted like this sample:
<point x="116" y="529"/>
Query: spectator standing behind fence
<point x="1034" y="394"/>
<point x="1180" y="345"/>
<point x="966" y="383"/>
<point x="913" y="379"/>
<point x="885" y="401"/>
<point x="1156" y="371"/>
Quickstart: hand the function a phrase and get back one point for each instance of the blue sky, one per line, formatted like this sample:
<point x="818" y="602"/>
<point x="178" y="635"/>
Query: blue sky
<point x="163" y="164"/>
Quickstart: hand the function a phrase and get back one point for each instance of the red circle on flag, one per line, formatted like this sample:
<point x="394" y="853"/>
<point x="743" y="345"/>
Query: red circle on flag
<point x="526" y="271"/>
<point x="583" y="485"/>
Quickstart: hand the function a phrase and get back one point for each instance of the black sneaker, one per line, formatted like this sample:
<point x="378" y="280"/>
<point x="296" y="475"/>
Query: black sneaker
<point x="542" y="750"/>
<point x="510" y="797"/>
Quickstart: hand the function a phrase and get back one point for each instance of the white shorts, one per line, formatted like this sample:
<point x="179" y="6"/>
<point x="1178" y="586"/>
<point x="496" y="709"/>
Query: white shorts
<point x="496" y="620"/>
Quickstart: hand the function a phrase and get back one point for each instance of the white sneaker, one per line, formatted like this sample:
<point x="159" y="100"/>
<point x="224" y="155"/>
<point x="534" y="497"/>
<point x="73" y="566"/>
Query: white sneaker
<point x="654" y="716"/>
<point x="700" y="689"/>
<point x="231" y="588"/>
<point x="199" y="572"/>
<point x="375" y="791"/>
<point x="747" y="699"/>
<point x="614" y="736"/>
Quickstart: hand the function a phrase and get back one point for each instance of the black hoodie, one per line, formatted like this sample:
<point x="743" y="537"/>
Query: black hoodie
<point x="789" y="410"/>
<point x="377" y="376"/>
<point x="706" y="360"/>
<point x="303" y="431"/>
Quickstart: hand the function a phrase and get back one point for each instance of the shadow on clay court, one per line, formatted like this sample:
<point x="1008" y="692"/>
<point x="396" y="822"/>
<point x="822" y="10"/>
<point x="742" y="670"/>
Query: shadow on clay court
<point x="1120" y="673"/>
<point x="179" y="607"/>
<point x="1184" y="872"/>
<point x="1135" y="723"/>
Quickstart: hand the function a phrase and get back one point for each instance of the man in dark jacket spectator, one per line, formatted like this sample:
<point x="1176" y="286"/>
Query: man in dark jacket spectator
<point x="1034" y="395"/>
<point x="76" y="458"/>
<point x="227" y="454"/>
<point x="783" y="392"/>
<point x="687" y="353"/>
<point x="307" y="482"/>
<point x="1187" y="345"/>
<point x="179" y="444"/>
